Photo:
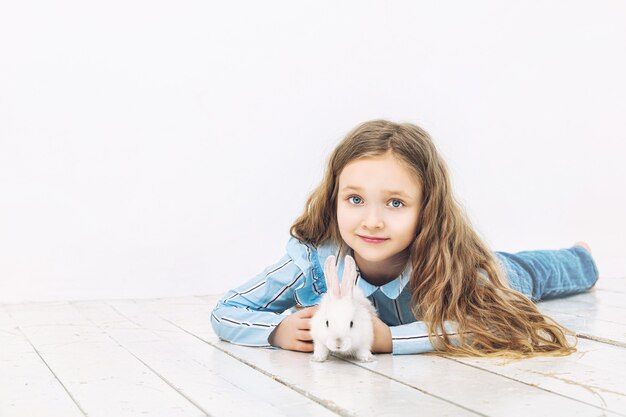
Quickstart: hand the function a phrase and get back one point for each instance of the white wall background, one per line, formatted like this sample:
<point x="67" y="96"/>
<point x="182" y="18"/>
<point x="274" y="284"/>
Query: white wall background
<point x="156" y="148"/>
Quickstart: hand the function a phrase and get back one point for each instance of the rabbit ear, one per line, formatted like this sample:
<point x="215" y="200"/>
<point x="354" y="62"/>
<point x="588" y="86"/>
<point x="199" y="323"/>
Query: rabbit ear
<point x="349" y="276"/>
<point x="330" y="273"/>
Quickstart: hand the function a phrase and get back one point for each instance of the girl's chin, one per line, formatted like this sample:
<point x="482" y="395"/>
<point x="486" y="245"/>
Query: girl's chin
<point x="371" y="254"/>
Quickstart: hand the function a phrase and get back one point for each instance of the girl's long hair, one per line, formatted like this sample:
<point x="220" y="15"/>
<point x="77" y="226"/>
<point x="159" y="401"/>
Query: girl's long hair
<point x="455" y="277"/>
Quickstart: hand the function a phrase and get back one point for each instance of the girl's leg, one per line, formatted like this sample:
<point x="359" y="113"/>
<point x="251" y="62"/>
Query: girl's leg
<point x="546" y="274"/>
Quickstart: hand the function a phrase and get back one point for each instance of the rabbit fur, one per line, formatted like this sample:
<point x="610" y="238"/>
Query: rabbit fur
<point x="343" y="323"/>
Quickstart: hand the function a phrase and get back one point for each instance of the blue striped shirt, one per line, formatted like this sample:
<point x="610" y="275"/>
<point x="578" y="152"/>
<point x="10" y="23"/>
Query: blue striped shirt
<point x="248" y="314"/>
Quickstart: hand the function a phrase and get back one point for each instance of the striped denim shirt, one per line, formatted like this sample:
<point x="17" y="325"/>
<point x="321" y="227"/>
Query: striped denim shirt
<point x="248" y="314"/>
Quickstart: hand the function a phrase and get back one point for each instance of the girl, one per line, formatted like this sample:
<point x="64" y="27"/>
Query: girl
<point x="386" y="200"/>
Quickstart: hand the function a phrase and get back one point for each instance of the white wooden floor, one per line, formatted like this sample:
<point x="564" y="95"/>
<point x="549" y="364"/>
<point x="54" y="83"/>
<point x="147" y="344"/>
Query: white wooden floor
<point x="160" y="358"/>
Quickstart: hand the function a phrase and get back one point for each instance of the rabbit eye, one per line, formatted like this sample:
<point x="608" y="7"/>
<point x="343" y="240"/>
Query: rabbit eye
<point x="326" y="323"/>
<point x="351" y="324"/>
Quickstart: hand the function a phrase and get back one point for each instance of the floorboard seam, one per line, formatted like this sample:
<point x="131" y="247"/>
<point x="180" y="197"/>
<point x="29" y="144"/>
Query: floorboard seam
<point x="416" y="388"/>
<point x="324" y="403"/>
<point x="47" y="365"/>
<point x="601" y="340"/>
<point x="538" y="387"/>
<point x="144" y="363"/>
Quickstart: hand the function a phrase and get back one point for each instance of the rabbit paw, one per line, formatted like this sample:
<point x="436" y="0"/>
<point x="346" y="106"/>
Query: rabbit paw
<point x="320" y="353"/>
<point x="319" y="357"/>
<point x="365" y="356"/>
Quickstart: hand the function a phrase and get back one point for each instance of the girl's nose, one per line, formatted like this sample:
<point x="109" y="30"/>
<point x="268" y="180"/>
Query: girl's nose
<point x="373" y="220"/>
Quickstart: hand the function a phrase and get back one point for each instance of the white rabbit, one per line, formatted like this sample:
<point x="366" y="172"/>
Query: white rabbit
<point x="343" y="322"/>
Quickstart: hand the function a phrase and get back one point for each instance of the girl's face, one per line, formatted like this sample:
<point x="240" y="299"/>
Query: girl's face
<point x="378" y="197"/>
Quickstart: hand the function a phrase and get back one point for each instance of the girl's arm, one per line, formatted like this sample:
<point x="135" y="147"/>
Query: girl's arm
<point x="404" y="339"/>
<point x="413" y="338"/>
<point x="248" y="314"/>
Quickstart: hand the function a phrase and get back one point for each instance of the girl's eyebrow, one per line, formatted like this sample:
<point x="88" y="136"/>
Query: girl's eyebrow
<point x="388" y="192"/>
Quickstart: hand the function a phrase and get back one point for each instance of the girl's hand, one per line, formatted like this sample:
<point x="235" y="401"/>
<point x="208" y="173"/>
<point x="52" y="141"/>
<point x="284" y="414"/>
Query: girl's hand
<point x="294" y="332"/>
<point x="382" y="336"/>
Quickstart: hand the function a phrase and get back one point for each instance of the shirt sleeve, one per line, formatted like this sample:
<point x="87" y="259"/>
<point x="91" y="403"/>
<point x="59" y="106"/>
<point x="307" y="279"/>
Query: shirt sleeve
<point x="248" y="314"/>
<point x="412" y="338"/>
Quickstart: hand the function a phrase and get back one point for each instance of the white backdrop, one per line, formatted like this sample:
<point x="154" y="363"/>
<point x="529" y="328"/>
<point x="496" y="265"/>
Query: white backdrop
<point x="164" y="148"/>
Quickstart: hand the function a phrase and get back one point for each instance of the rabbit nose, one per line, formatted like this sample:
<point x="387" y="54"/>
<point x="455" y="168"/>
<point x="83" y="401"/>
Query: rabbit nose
<point x="338" y="343"/>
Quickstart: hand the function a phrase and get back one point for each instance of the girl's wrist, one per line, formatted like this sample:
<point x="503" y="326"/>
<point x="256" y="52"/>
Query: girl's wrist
<point x="382" y="337"/>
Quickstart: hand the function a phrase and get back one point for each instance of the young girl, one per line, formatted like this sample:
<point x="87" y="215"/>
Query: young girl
<point x="386" y="201"/>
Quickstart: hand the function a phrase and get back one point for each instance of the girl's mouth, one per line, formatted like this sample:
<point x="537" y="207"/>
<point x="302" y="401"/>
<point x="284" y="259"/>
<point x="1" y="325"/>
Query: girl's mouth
<point x="372" y="240"/>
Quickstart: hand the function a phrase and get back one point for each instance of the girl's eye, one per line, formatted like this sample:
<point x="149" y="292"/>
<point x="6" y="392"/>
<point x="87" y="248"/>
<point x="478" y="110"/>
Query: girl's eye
<point x="355" y="197"/>
<point x="397" y="201"/>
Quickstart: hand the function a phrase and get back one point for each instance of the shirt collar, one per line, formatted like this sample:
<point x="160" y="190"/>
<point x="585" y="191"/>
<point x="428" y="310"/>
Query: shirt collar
<point x="392" y="289"/>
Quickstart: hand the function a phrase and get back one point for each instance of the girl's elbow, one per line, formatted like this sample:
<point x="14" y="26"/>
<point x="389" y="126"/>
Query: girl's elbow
<point x="216" y="321"/>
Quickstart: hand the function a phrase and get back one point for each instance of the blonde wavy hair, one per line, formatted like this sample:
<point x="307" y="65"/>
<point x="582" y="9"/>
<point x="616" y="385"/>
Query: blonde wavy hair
<point x="454" y="274"/>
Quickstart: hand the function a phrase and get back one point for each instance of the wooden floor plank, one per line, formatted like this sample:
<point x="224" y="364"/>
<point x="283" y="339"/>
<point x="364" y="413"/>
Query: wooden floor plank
<point x="597" y="305"/>
<point x="27" y="386"/>
<point x="615" y="285"/>
<point x="209" y="377"/>
<point x="104" y="379"/>
<point x="490" y="393"/>
<point x="479" y="390"/>
<point x="160" y="357"/>
<point x="595" y="374"/>
<point x="586" y="323"/>
<point x="347" y="388"/>
<point x="596" y="297"/>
